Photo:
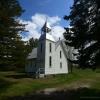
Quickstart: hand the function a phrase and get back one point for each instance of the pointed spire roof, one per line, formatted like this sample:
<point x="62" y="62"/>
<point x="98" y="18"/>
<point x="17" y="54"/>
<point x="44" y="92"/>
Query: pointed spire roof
<point x="46" y="27"/>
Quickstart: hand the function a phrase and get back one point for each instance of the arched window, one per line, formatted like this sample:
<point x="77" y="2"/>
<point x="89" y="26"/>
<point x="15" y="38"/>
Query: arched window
<point x="50" y="61"/>
<point x="50" y="46"/>
<point x="60" y="54"/>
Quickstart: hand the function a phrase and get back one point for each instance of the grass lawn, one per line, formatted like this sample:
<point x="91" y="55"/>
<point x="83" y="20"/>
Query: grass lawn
<point x="18" y="84"/>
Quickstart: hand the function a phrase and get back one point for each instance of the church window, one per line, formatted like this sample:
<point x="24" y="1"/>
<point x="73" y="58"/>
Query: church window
<point x="50" y="61"/>
<point x="60" y="54"/>
<point x="60" y="64"/>
<point x="50" y="47"/>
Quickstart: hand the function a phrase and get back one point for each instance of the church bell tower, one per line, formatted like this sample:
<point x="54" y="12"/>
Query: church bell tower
<point x="46" y="42"/>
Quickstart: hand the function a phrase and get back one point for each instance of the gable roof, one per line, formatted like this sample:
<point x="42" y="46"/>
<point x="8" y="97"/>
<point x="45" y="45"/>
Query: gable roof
<point x="57" y="44"/>
<point x="33" y="54"/>
<point x="63" y="45"/>
<point x="46" y="28"/>
<point x="46" y="33"/>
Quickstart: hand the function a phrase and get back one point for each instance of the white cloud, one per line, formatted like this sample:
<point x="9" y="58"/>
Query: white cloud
<point x="57" y="32"/>
<point x="54" y="20"/>
<point x="37" y="21"/>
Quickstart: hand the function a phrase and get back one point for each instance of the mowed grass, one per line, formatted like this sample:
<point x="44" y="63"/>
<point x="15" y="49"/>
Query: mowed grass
<point x="18" y="84"/>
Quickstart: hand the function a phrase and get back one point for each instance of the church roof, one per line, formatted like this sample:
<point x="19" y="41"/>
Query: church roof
<point x="57" y="43"/>
<point x="63" y="45"/>
<point x="33" y="54"/>
<point x="46" y="27"/>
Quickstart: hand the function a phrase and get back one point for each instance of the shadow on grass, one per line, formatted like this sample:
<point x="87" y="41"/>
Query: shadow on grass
<point x="75" y="94"/>
<point x="18" y="76"/>
<point x="4" y="84"/>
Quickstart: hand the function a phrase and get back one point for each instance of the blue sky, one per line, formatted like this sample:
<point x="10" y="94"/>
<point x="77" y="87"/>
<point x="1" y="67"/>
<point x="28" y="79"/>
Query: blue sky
<point x="49" y="8"/>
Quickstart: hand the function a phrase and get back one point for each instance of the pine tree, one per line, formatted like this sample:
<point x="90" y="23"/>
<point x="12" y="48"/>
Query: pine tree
<point x="10" y="29"/>
<point x="84" y="32"/>
<point x="33" y="43"/>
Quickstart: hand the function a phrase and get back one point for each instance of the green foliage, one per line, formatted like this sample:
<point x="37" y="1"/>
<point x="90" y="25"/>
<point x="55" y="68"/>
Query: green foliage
<point x="84" y="32"/>
<point x="11" y="46"/>
<point x="31" y="44"/>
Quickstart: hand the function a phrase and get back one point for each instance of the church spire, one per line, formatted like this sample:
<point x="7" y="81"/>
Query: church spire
<point x="45" y="32"/>
<point x="46" y="27"/>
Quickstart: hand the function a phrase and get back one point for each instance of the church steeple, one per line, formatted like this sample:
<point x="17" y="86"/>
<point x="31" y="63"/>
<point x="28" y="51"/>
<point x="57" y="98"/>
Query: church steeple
<point x="46" y="33"/>
<point x="46" y="28"/>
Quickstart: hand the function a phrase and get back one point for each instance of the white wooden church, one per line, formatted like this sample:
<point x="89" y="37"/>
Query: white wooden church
<point x="49" y="58"/>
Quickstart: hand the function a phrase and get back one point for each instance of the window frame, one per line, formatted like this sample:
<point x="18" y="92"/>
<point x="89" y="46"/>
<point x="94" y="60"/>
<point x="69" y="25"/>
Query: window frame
<point x="50" y="47"/>
<point x="50" y="61"/>
<point x="60" y="54"/>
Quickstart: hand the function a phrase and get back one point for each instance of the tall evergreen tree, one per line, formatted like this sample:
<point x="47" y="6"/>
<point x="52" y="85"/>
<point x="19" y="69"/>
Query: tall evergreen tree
<point x="10" y="28"/>
<point x="84" y="34"/>
<point x="33" y="43"/>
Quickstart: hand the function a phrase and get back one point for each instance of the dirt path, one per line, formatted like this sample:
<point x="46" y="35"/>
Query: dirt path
<point x="65" y="87"/>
